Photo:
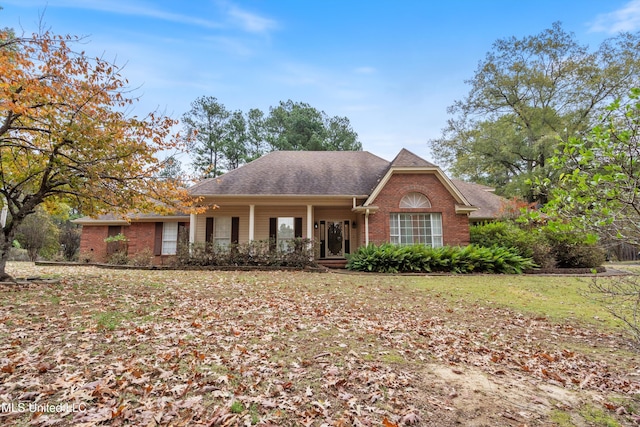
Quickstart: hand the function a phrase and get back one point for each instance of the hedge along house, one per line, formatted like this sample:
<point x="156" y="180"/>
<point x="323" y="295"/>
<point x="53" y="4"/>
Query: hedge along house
<point x="339" y="199"/>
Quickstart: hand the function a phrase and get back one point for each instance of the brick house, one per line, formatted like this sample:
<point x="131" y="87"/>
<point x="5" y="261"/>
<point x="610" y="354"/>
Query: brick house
<point x="340" y="199"/>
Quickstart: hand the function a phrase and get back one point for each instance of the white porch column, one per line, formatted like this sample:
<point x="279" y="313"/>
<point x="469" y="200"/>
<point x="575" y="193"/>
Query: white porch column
<point x="252" y="220"/>
<point x="310" y="222"/>
<point x="366" y="228"/>
<point x="310" y="230"/>
<point x="192" y="229"/>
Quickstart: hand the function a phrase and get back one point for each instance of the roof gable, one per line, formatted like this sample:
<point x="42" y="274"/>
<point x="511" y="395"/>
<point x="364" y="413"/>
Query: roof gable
<point x="406" y="159"/>
<point x="407" y="162"/>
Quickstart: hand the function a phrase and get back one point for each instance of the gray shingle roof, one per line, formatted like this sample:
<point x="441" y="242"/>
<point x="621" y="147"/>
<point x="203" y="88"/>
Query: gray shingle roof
<point x="300" y="173"/>
<point x="346" y="173"/>
<point x="406" y="158"/>
<point x="490" y="205"/>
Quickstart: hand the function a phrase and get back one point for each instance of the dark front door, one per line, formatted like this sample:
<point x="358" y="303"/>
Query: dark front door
<point x="335" y="239"/>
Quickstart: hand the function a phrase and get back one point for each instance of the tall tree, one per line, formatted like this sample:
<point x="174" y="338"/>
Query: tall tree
<point x="298" y="126"/>
<point x="235" y="146"/>
<point x="339" y="135"/>
<point x="599" y="192"/>
<point x="64" y="136"/>
<point x="256" y="134"/>
<point x="172" y="170"/>
<point x="525" y="96"/>
<point x="207" y="124"/>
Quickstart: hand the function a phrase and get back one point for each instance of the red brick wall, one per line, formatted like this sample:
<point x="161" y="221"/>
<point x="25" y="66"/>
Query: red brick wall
<point x="455" y="227"/>
<point x="140" y="235"/>
<point x="92" y="244"/>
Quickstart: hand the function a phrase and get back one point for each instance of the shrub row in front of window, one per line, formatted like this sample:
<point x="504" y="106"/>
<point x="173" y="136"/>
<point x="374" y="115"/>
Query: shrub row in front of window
<point x="296" y="253"/>
<point x="390" y="258"/>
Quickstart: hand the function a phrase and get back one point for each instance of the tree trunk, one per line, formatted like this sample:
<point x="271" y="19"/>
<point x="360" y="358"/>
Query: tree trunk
<point x="6" y="240"/>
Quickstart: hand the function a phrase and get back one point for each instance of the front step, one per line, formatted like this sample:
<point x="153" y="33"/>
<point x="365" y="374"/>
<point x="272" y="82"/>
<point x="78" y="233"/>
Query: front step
<point x="333" y="263"/>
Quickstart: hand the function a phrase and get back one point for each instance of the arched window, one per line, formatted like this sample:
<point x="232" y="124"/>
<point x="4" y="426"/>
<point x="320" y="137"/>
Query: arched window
<point x="415" y="200"/>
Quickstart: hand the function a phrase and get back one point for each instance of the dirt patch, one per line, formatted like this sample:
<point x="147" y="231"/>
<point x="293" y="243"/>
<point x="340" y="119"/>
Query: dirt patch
<point x="468" y="396"/>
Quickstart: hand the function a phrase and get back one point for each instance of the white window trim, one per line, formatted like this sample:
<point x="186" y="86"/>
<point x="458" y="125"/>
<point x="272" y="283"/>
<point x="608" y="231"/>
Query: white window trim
<point x="415" y="200"/>
<point x="284" y="243"/>
<point x="435" y="225"/>
<point x="220" y="239"/>
<point x="169" y="238"/>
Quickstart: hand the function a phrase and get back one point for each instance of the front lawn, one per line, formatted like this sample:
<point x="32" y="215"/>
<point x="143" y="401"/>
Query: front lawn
<point x="121" y="347"/>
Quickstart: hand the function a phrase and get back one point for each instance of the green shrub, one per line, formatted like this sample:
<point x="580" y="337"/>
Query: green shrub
<point x="389" y="258"/>
<point x="528" y="243"/>
<point x="571" y="250"/>
<point x="547" y="248"/>
<point x="253" y="253"/>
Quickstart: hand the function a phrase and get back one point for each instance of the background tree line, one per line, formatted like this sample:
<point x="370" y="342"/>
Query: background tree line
<point x="222" y="140"/>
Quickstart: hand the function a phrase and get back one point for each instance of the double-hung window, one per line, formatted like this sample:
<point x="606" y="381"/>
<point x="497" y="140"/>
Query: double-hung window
<point x="222" y="232"/>
<point x="169" y="238"/>
<point x="416" y="228"/>
<point x="285" y="233"/>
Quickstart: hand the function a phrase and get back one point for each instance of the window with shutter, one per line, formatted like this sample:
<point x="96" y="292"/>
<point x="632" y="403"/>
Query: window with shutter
<point x="169" y="238"/>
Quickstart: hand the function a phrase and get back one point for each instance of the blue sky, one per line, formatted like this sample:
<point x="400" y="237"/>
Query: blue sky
<point x="392" y="67"/>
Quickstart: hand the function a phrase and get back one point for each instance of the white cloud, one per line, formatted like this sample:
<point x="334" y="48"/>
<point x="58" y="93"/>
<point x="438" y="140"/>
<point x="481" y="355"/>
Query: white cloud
<point x="626" y="18"/>
<point x="251" y="22"/>
<point x="365" y="70"/>
<point x="128" y="8"/>
<point x="230" y="45"/>
<point x="234" y="16"/>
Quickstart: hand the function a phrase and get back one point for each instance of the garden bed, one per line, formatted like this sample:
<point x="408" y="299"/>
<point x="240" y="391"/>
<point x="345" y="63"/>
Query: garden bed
<point x="182" y="268"/>
<point x="568" y="271"/>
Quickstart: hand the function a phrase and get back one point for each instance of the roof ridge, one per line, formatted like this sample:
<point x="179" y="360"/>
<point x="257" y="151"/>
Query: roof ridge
<point x="406" y="158"/>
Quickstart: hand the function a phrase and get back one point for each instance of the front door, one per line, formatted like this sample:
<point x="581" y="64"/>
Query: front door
<point x="334" y="238"/>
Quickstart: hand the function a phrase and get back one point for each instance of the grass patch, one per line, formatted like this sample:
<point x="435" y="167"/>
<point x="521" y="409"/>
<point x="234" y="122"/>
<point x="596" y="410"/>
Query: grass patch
<point x="392" y="357"/>
<point x="109" y="320"/>
<point x="237" y="407"/>
<point x="598" y="417"/>
<point x="557" y="298"/>
<point x="561" y="418"/>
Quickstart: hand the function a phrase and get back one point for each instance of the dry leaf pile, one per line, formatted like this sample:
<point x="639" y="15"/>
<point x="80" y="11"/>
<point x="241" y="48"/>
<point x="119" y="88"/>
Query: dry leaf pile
<point x="276" y="349"/>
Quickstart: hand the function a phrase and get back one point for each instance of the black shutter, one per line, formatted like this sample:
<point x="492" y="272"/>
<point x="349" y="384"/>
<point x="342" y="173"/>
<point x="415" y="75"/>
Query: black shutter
<point x="323" y="252"/>
<point x="347" y="237"/>
<point x="273" y="233"/>
<point x="208" y="237"/>
<point x="157" y="243"/>
<point x="235" y="232"/>
<point x="297" y="227"/>
<point x="183" y="236"/>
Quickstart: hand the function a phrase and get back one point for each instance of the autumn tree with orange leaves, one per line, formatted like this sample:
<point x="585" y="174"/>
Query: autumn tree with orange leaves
<point x="65" y="136"/>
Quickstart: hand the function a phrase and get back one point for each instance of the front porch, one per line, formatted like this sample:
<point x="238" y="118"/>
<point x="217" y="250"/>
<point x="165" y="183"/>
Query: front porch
<point x="332" y="224"/>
